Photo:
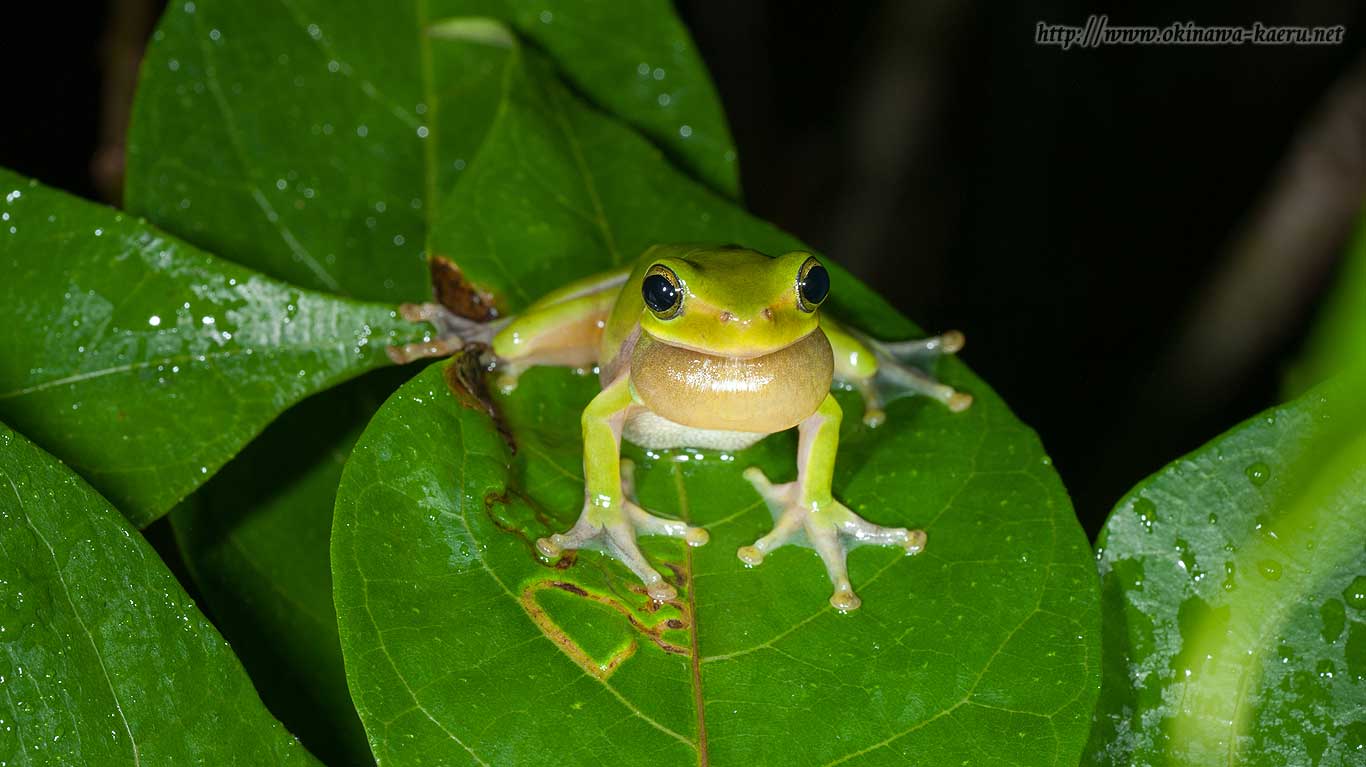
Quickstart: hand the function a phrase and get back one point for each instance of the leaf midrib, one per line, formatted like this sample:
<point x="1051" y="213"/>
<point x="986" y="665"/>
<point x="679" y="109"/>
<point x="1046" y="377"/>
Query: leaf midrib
<point x="240" y="152"/>
<point x="76" y="378"/>
<point x="694" y="657"/>
<point x="66" y="592"/>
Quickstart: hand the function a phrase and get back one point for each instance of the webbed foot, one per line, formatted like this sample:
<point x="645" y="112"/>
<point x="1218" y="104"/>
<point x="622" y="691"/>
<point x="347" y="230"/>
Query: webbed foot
<point x="897" y="372"/>
<point x="614" y="530"/>
<point x="453" y="333"/>
<point x="830" y="528"/>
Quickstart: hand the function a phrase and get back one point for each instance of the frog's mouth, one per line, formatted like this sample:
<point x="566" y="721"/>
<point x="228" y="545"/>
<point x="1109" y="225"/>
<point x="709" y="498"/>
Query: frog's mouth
<point x="741" y="353"/>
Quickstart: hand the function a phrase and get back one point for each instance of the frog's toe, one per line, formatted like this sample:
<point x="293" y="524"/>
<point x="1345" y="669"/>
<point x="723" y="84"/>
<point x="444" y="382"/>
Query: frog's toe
<point x="750" y="555"/>
<point x="549" y="547"/>
<point x="506" y="375"/>
<point x="436" y="347"/>
<point x="945" y="343"/>
<point x="787" y="513"/>
<point x="615" y="534"/>
<point x="582" y="535"/>
<point x="845" y="600"/>
<point x="778" y="497"/>
<point x="649" y="524"/>
<point x="453" y="333"/>
<point x="898" y="377"/>
<point x="621" y="543"/>
<point x="860" y="531"/>
<point x="825" y="539"/>
<point x="953" y="341"/>
<point x="660" y="591"/>
<point x="832" y="530"/>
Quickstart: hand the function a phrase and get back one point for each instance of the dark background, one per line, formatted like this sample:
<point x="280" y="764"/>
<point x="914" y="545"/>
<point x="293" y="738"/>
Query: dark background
<point x="1077" y="213"/>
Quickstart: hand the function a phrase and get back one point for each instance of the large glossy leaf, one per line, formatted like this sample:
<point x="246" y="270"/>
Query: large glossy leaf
<point x="103" y="657"/>
<point x="462" y="646"/>
<point x="310" y="139"/>
<point x="255" y="539"/>
<point x="1234" y="595"/>
<point x="144" y="363"/>
<point x="560" y="190"/>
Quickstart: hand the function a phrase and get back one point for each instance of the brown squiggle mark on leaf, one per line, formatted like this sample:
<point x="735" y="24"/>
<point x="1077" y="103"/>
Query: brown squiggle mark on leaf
<point x="571" y="588"/>
<point x="504" y="498"/>
<point x="464" y="376"/>
<point x="567" y="645"/>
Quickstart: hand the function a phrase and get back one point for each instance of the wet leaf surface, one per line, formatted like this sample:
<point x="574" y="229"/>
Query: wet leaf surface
<point x="144" y="363"/>
<point x="462" y="646"/>
<point x="1234" y="597"/>
<point x="104" y="659"/>
<point x="561" y="190"/>
<point x="311" y="140"/>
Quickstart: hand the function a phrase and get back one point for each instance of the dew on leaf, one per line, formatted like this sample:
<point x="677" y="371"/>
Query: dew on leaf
<point x="1147" y="512"/>
<point x="1270" y="569"/>
<point x="1355" y="594"/>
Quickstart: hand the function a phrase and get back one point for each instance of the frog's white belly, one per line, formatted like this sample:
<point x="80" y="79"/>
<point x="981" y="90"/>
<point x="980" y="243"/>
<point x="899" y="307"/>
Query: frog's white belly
<point x="655" y="432"/>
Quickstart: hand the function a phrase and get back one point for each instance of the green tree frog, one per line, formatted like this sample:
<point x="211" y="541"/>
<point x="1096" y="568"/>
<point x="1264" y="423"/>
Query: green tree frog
<point x="715" y="348"/>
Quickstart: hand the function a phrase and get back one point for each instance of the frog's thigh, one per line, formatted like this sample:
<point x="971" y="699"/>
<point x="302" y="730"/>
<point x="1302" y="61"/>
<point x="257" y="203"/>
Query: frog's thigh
<point x="566" y="333"/>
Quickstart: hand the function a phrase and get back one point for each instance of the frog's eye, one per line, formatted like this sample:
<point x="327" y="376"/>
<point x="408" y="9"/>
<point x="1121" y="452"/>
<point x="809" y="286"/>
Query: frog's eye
<point x="662" y="292"/>
<point x="813" y="285"/>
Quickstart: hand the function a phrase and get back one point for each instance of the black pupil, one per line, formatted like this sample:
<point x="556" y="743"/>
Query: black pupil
<point x="816" y="285"/>
<point x="659" y="293"/>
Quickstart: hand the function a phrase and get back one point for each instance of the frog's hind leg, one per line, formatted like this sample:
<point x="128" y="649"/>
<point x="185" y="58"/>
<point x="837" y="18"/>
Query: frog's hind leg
<point x="887" y="371"/>
<point x="944" y="343"/>
<point x="901" y="377"/>
<point x="453" y="333"/>
<point x="564" y="327"/>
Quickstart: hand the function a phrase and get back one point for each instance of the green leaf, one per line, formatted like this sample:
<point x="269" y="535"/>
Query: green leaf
<point x="310" y="139"/>
<point x="255" y="539"/>
<point x="561" y="190"/>
<point x="105" y="658"/>
<point x="637" y="61"/>
<point x="462" y="646"/>
<point x="145" y="364"/>
<point x="241" y="99"/>
<point x="1234" y="594"/>
<point x="1338" y="340"/>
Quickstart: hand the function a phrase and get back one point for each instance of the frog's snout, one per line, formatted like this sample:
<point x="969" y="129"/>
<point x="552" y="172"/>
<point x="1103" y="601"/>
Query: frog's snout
<point x="765" y="315"/>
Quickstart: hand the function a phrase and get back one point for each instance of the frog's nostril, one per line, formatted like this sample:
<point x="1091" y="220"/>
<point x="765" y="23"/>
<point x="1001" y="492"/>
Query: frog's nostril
<point x="767" y="313"/>
<point x="726" y="316"/>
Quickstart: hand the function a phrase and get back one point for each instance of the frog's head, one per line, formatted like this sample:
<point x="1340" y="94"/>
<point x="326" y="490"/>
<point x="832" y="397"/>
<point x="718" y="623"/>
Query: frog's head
<point x="730" y="301"/>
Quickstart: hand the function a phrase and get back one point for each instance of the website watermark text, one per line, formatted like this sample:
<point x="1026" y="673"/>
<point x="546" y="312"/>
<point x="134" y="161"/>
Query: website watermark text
<point x="1098" y="31"/>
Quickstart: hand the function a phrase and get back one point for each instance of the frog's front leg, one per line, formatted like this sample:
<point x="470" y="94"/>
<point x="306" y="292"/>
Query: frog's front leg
<point x="610" y="521"/>
<point x="807" y="506"/>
